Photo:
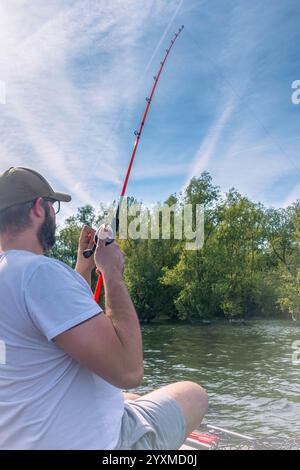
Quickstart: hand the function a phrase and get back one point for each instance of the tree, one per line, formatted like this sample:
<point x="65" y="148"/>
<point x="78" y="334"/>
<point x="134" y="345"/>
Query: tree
<point x="283" y="236"/>
<point x="248" y="266"/>
<point x="191" y="277"/>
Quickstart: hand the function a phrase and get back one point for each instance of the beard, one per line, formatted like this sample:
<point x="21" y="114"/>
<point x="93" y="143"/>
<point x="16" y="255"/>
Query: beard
<point x="46" y="232"/>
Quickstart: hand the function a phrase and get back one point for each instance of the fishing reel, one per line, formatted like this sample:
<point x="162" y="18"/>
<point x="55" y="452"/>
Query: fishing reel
<point x="104" y="232"/>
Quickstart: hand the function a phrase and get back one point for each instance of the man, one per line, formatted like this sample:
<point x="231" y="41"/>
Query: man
<point x="66" y="362"/>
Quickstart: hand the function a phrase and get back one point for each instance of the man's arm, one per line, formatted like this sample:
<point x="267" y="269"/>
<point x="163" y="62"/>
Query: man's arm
<point x="85" y="266"/>
<point x="110" y="344"/>
<point x="87" y="275"/>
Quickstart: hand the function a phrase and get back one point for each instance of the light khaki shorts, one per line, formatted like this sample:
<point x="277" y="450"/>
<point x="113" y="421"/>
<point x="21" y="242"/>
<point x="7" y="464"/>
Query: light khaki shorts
<point x="149" y="424"/>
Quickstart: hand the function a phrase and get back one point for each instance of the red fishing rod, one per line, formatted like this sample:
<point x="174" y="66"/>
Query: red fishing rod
<point x="88" y="253"/>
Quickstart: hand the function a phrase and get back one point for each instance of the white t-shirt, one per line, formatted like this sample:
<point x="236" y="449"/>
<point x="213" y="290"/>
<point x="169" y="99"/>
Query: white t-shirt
<point x="48" y="400"/>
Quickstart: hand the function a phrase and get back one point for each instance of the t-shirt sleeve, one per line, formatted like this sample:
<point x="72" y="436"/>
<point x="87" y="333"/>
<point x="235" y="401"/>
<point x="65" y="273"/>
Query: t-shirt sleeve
<point x="58" y="298"/>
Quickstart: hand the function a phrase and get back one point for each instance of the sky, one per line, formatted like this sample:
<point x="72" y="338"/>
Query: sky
<point x="76" y="75"/>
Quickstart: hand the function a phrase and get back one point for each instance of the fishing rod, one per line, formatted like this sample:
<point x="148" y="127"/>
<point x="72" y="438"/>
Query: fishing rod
<point x="110" y="239"/>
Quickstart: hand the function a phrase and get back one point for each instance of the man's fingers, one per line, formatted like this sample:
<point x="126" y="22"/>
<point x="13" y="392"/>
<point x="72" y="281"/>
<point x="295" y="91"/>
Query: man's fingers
<point x="88" y="230"/>
<point x="87" y="236"/>
<point x="91" y="240"/>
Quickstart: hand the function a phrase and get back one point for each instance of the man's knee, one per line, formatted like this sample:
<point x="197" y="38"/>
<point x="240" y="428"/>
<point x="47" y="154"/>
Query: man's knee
<point x="193" y="400"/>
<point x="189" y="393"/>
<point x="195" y="394"/>
<point x="198" y="392"/>
<point x="192" y="388"/>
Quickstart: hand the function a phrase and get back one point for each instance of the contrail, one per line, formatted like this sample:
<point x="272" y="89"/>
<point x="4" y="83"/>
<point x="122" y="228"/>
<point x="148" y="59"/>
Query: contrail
<point x="162" y="38"/>
<point x="207" y="148"/>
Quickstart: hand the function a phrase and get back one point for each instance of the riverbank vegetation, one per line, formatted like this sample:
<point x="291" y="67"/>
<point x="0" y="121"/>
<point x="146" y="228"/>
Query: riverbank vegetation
<point x="249" y="265"/>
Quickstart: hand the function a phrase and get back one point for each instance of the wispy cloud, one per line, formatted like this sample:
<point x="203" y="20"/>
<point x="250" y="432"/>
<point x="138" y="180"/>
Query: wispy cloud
<point x="60" y="106"/>
<point x="2" y="92"/>
<point x="163" y="37"/>
<point x="293" y="196"/>
<point x="77" y="73"/>
<point x="247" y="146"/>
<point x="208" y="147"/>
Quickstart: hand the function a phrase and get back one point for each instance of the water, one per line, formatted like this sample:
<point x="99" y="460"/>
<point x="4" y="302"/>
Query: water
<point x="247" y="370"/>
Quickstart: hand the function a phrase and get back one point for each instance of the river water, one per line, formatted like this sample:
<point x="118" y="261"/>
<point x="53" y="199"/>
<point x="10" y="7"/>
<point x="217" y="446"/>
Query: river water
<point x="247" y="370"/>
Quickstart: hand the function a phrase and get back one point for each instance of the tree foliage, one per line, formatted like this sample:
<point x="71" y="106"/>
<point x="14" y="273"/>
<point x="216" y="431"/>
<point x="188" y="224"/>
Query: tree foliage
<point x="248" y="266"/>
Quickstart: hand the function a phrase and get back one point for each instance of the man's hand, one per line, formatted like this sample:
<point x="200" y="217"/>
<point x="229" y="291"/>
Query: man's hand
<point x="109" y="259"/>
<point x="85" y="266"/>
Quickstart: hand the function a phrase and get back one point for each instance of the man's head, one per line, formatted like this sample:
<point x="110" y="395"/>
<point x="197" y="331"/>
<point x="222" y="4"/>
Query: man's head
<point x="27" y="210"/>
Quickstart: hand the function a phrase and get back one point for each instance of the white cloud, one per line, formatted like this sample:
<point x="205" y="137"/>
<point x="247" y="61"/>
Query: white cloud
<point x="208" y="147"/>
<point x="2" y="92"/>
<point x="74" y="74"/>
<point x="247" y="145"/>
<point x="62" y="110"/>
<point x="293" y="196"/>
<point x="163" y="36"/>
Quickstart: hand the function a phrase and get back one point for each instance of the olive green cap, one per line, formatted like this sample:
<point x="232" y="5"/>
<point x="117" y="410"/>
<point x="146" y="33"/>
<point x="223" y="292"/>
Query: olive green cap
<point x="20" y="185"/>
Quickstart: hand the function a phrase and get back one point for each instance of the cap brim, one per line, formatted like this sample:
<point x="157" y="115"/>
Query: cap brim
<point x="62" y="197"/>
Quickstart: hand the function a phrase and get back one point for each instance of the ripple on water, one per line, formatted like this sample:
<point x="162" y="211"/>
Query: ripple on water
<point x="247" y="370"/>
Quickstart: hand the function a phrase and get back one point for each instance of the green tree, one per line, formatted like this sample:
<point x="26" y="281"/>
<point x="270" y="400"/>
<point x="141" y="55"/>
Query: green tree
<point x="283" y="234"/>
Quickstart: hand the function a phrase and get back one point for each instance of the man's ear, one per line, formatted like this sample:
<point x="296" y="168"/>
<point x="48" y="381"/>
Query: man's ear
<point x="38" y="208"/>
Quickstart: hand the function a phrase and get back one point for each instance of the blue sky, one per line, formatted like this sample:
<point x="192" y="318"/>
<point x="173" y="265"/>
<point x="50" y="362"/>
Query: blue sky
<point x="77" y="74"/>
